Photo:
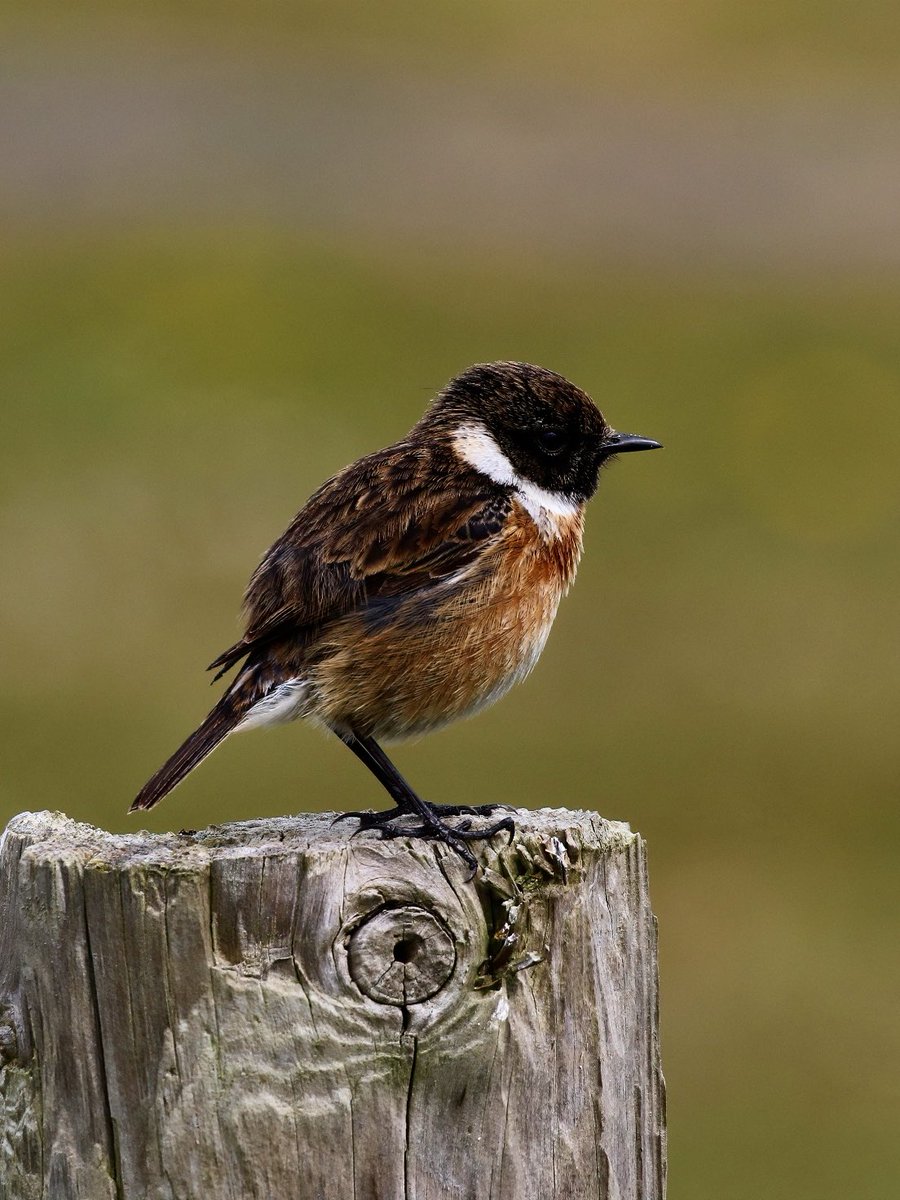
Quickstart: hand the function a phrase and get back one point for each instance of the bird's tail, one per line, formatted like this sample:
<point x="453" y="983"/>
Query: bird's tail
<point x="217" y="726"/>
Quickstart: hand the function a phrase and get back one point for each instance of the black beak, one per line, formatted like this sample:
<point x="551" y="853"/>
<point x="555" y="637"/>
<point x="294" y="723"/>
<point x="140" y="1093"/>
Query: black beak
<point x="622" y="443"/>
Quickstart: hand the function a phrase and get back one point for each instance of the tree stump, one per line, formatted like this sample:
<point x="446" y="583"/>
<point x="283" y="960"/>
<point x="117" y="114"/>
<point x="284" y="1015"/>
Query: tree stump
<point x="271" y="1009"/>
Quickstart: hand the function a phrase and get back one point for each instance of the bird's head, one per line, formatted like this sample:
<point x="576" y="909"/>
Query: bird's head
<point x="516" y="422"/>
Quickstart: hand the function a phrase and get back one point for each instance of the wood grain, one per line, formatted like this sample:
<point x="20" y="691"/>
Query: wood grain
<point x="271" y="1009"/>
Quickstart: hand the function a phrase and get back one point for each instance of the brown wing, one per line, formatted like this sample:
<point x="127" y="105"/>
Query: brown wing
<point x="392" y="524"/>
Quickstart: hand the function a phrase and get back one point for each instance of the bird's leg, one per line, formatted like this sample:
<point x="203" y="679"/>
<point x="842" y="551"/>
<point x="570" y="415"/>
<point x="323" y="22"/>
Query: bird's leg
<point x="408" y="803"/>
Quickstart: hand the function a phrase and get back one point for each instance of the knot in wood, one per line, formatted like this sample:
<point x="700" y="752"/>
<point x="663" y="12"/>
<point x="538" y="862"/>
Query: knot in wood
<point x="9" y="1043"/>
<point x="401" y="955"/>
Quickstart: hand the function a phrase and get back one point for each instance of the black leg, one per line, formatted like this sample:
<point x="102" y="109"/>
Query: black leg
<point x="408" y="803"/>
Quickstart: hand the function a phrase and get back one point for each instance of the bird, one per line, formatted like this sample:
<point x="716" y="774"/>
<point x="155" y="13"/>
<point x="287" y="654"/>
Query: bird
<point x="418" y="585"/>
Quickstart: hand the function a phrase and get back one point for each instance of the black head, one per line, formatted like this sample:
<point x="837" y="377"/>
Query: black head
<point x="551" y="433"/>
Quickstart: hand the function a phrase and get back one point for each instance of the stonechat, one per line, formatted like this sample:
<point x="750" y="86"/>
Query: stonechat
<point x="419" y="584"/>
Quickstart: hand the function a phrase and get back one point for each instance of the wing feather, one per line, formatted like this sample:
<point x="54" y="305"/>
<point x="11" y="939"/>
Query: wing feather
<point x="392" y="524"/>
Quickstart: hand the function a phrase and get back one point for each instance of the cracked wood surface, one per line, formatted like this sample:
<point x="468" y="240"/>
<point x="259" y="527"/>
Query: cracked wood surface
<point x="271" y="1009"/>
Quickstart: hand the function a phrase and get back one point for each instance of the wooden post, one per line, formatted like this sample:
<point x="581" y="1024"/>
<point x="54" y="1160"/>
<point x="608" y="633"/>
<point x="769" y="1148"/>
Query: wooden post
<point x="271" y="1009"/>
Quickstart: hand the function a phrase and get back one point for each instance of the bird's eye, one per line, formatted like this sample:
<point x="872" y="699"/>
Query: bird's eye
<point x="551" y="441"/>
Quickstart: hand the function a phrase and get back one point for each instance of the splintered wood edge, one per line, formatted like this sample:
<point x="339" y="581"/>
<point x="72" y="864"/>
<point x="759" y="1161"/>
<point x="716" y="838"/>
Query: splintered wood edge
<point x="54" y="834"/>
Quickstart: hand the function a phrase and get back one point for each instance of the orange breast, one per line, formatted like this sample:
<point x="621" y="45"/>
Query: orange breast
<point x="433" y="663"/>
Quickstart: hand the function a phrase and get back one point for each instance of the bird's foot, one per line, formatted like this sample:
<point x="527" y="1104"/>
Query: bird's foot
<point x="384" y="817"/>
<point x="392" y="824"/>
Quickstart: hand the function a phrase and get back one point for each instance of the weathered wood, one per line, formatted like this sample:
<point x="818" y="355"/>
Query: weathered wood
<point x="269" y="1009"/>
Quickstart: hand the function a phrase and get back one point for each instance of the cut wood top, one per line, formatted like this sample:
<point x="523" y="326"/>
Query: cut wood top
<point x="55" y="834"/>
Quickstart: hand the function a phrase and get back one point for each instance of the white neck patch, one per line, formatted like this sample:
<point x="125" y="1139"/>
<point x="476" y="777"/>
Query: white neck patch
<point x="475" y="446"/>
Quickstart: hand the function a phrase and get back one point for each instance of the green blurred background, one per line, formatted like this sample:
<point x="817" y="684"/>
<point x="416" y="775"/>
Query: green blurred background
<point x="244" y="243"/>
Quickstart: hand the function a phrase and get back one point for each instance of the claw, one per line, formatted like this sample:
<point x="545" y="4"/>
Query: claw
<point x="463" y="830"/>
<point x="373" y="820"/>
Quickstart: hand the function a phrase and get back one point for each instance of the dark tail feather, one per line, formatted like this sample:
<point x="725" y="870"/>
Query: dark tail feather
<point x="228" y="658"/>
<point x="220" y="722"/>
